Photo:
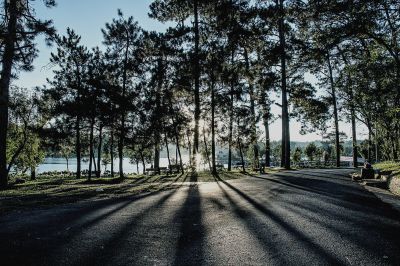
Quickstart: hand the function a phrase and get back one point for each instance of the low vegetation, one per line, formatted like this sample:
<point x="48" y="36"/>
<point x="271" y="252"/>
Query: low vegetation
<point x="389" y="166"/>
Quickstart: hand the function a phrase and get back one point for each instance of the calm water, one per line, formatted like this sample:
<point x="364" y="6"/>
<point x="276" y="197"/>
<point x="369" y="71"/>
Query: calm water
<point x="60" y="164"/>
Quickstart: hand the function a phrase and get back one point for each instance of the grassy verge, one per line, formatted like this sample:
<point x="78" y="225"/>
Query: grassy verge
<point x="389" y="166"/>
<point x="57" y="190"/>
<point x="394" y="181"/>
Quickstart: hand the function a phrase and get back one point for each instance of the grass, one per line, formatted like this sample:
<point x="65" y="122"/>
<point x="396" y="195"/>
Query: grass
<point x="53" y="190"/>
<point x="389" y="166"/>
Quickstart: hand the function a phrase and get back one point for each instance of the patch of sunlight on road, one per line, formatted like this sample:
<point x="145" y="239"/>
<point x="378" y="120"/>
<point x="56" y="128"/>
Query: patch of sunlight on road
<point x="233" y="235"/>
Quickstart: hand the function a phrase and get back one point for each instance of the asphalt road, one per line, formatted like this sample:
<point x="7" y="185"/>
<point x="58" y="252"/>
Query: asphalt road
<point x="308" y="217"/>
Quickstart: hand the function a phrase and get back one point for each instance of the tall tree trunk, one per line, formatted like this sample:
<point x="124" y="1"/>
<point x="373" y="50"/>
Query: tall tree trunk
<point x="157" y="157"/>
<point x="123" y="110"/>
<point x="112" y="151"/>
<point x="169" y="158"/>
<point x="214" y="168"/>
<point x="99" y="147"/>
<point x="335" y="111"/>
<point x="369" y="126"/>
<point x="354" y="137"/>
<point x="266" y="114"/>
<point x="285" y="162"/>
<point x="176" y="137"/>
<point x="94" y="160"/>
<point x="206" y="147"/>
<point x="353" y="125"/>
<point x="267" y="144"/>
<point x="7" y="64"/>
<point x="91" y="153"/>
<point x="78" y="146"/>
<point x="230" y="139"/>
<point x="78" y="125"/>
<point x="376" y="142"/>
<point x="196" y="81"/>
<point x="253" y="126"/>
<point x="143" y="163"/>
<point x="157" y="134"/>
<point x="121" y="156"/>
<point x="33" y="173"/>
<point x="179" y="151"/>
<point x="191" y="161"/>
<point x="176" y="155"/>
<point x="241" y="155"/>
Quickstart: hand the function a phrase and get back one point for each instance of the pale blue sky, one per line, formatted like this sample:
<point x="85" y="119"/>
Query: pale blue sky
<point x="87" y="17"/>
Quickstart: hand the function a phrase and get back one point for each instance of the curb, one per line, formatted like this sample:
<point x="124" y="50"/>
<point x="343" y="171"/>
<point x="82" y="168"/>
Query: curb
<point x="385" y="195"/>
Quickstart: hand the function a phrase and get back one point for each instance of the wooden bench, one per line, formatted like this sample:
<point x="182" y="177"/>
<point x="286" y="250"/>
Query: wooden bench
<point x="175" y="168"/>
<point x="238" y="166"/>
<point x="219" y="166"/>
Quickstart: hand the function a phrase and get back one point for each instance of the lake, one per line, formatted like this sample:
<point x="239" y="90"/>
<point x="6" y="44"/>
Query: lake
<point x="60" y="164"/>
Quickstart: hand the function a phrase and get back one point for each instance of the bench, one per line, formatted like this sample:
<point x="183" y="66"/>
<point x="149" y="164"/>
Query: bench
<point x="219" y="166"/>
<point x="175" y="168"/>
<point x="238" y="166"/>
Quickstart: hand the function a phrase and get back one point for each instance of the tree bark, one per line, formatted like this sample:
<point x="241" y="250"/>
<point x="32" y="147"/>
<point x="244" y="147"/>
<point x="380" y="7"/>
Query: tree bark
<point x="196" y="81"/>
<point x="241" y="155"/>
<point x="99" y="147"/>
<point x="33" y="173"/>
<point x="157" y="134"/>
<point x="143" y="163"/>
<point x="253" y="134"/>
<point x="376" y="143"/>
<point x="285" y="161"/>
<point x="214" y="168"/>
<point x="91" y="154"/>
<point x="94" y="160"/>
<point x="353" y="125"/>
<point x="179" y="152"/>
<point x="230" y="139"/>
<point x="157" y="157"/>
<point x="266" y="114"/>
<point x="267" y="144"/>
<point x="369" y="140"/>
<point x="123" y="110"/>
<point x="78" y="146"/>
<point x="354" y="137"/>
<point x="191" y="160"/>
<point x="112" y="151"/>
<point x="207" y="154"/>
<point x="7" y="64"/>
<point x="335" y="111"/>
<point x="168" y="156"/>
<point x="121" y="156"/>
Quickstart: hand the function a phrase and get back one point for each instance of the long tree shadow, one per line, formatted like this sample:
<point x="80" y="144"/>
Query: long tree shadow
<point x="190" y="245"/>
<point x="356" y="220"/>
<point x="255" y="226"/>
<point x="113" y="244"/>
<point x="347" y="195"/>
<point x="69" y="223"/>
<point x="298" y="236"/>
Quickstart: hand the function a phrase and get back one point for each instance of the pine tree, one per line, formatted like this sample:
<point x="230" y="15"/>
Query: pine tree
<point x="17" y="51"/>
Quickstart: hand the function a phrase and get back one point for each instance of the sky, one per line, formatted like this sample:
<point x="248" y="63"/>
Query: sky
<point x="88" y="17"/>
